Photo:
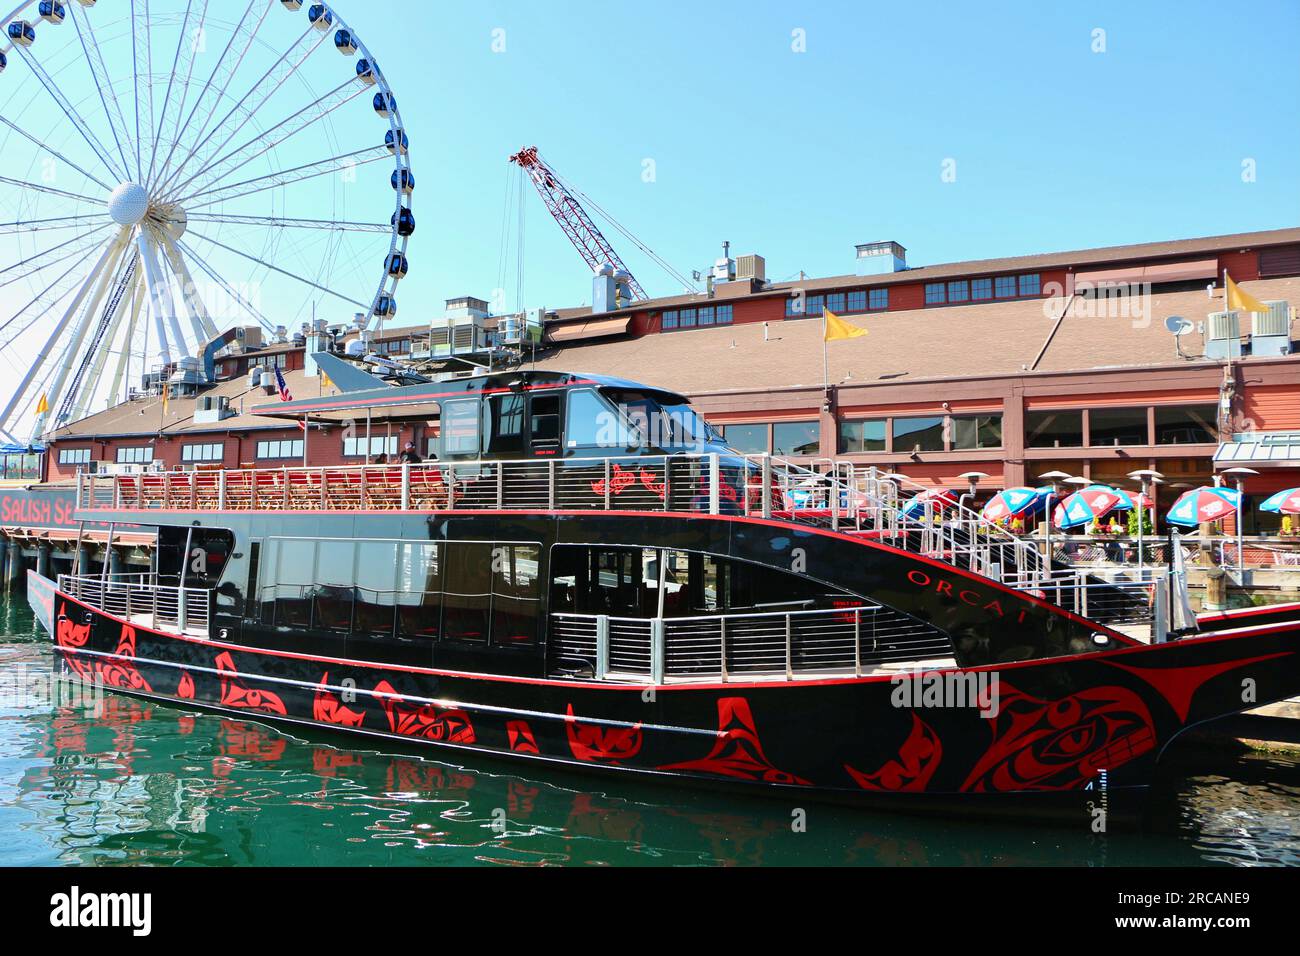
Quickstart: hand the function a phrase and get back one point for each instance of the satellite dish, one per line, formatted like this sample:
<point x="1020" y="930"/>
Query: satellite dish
<point x="1177" y="325"/>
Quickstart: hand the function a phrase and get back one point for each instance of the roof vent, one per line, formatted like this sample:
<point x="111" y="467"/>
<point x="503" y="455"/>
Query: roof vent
<point x="1223" y="340"/>
<point x="881" y="258"/>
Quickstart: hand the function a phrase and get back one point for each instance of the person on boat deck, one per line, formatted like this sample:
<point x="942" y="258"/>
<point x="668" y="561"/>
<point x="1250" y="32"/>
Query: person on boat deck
<point x="381" y="458"/>
<point x="409" y="455"/>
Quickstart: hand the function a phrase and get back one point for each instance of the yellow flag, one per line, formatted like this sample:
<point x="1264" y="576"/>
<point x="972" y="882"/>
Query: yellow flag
<point x="43" y="406"/>
<point x="1239" y="301"/>
<point x="325" y="381"/>
<point x="837" y="328"/>
<point x="166" y="397"/>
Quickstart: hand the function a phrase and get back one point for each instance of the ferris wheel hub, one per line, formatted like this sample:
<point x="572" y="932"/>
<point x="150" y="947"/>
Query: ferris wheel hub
<point x="128" y="204"/>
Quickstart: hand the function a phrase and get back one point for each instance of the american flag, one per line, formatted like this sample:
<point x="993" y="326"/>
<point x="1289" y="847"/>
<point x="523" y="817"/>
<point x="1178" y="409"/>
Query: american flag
<point x="285" y="394"/>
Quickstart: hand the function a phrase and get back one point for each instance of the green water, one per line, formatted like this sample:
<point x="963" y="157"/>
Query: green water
<point x="147" y="784"/>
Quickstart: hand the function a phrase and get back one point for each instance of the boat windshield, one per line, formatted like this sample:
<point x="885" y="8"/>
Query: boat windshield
<point x="662" y="420"/>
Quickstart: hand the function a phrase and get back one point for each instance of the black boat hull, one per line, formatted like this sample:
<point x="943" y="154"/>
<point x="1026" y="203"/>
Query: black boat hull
<point x="1071" y="727"/>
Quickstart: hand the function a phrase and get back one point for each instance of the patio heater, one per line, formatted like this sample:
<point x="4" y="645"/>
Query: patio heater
<point x="973" y="479"/>
<point x="1147" y="478"/>
<point x="1054" y="478"/>
<point x="1240" y="474"/>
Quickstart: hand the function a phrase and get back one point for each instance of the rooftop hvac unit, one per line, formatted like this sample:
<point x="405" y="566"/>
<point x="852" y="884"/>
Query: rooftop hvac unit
<point x="751" y="267"/>
<point x="1271" y="331"/>
<point x="1223" y="339"/>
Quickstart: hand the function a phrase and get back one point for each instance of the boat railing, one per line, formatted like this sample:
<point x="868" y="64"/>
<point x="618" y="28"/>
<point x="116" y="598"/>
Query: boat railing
<point x="140" y="600"/>
<point x="781" y="644"/>
<point x="1137" y="601"/>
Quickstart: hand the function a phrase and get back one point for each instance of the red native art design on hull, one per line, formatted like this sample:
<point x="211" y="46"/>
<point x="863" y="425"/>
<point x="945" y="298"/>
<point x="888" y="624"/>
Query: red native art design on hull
<point x="521" y="737"/>
<point x="738" y="751"/>
<point x="327" y="708"/>
<point x="235" y="693"/>
<point x="72" y="638"/>
<point x="620" y="479"/>
<point x="185" y="689"/>
<point x="424" y="720"/>
<point x="1061" y="744"/>
<point x="121" y="673"/>
<point x="592" y="743"/>
<point x="911" y="770"/>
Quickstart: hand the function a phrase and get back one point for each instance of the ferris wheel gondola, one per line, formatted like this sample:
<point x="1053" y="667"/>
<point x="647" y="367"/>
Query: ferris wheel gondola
<point x="156" y="157"/>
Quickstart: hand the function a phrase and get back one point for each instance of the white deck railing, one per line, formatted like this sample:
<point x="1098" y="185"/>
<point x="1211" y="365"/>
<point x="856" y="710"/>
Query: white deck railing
<point x="138" y="599"/>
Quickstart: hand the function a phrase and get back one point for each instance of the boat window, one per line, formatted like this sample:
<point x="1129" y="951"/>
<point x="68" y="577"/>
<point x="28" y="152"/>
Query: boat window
<point x="624" y="582"/>
<point x="376" y="587"/>
<point x="661" y="421"/>
<point x="419" y="590"/>
<point x="503" y="423"/>
<point x="516" y="595"/>
<point x="590" y="420"/>
<point x="545" y="415"/>
<point x="468" y="584"/>
<point x="460" y="428"/>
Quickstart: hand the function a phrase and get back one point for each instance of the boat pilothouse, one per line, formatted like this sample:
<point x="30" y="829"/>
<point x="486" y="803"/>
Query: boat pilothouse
<point x="583" y="573"/>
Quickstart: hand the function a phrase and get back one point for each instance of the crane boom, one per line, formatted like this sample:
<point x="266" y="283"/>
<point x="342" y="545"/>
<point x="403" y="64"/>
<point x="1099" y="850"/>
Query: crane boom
<point x="561" y="202"/>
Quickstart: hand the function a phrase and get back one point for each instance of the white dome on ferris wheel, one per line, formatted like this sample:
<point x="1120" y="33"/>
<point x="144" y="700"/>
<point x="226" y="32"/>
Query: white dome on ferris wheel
<point x="172" y="169"/>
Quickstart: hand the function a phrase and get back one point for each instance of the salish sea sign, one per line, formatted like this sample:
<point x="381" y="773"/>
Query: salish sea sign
<point x="38" y="508"/>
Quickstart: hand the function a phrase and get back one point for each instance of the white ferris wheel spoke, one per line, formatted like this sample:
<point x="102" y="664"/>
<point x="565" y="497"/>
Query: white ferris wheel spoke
<point x="71" y="113"/>
<point x="284" y="272"/>
<point x="142" y="66"/>
<point x="185" y="42"/>
<point x="128" y="340"/>
<point x="222" y="75"/>
<point x="219" y="169"/>
<point x="49" y="190"/>
<point x="57" y="222"/>
<point x="86" y="395"/>
<point x="169" y="124"/>
<point x="42" y="299"/>
<point x="298" y="174"/>
<point x="226" y="287"/>
<point x="273" y="79"/>
<point x="107" y="95"/>
<point x="55" y="153"/>
<point x="278" y="222"/>
<point x="46" y="259"/>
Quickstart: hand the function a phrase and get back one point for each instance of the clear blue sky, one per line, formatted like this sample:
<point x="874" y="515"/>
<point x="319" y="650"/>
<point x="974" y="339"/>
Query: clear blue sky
<point x="800" y="155"/>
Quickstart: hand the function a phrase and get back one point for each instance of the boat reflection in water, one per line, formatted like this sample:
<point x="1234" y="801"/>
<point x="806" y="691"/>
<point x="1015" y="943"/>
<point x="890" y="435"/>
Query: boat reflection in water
<point x="148" y="783"/>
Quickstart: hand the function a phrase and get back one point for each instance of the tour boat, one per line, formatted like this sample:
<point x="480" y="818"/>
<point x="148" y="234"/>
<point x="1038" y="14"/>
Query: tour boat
<point x="584" y="575"/>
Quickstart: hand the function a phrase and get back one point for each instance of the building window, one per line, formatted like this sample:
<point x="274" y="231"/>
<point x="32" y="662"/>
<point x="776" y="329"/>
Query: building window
<point x="670" y="319"/>
<point x="202" y="453"/>
<point x="794" y="307"/>
<point x="1005" y="287"/>
<point x="274" y="450"/>
<point x="813" y="306"/>
<point x="1054" y="429"/>
<point x="379" y="445"/>
<point x="1030" y="284"/>
<point x="835" y="302"/>
<point x="1187" y="425"/>
<point x="959" y="291"/>
<point x="879" y="299"/>
<point x="686" y="318"/>
<point x="135" y="456"/>
<point x="746" y="439"/>
<point x="976" y="431"/>
<point x="724" y="314"/>
<point x="981" y="290"/>
<point x="857" y="301"/>
<point x="796" y="438"/>
<point x="15" y="466"/>
<point x="705" y="315"/>
<point x="934" y="293"/>
<point x="918" y="434"/>
<point x="862" y="436"/>
<point x="74" y="456"/>
<point x="1108" y="427"/>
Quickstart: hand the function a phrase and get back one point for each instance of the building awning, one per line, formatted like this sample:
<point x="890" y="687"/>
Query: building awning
<point x="1267" y="449"/>
<point x="1165" y="272"/>
<point x="593" y="329"/>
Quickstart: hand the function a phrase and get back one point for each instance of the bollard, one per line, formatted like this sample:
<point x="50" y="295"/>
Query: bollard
<point x="14" y="566"/>
<point x="1216" y="589"/>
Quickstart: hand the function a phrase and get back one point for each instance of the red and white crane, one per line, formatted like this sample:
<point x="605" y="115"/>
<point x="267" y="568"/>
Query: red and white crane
<point x="565" y="203"/>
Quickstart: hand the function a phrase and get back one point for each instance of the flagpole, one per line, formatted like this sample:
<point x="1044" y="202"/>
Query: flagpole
<point x="826" y="355"/>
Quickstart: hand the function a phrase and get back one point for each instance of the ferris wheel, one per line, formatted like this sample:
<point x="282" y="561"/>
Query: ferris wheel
<point x="173" y="169"/>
